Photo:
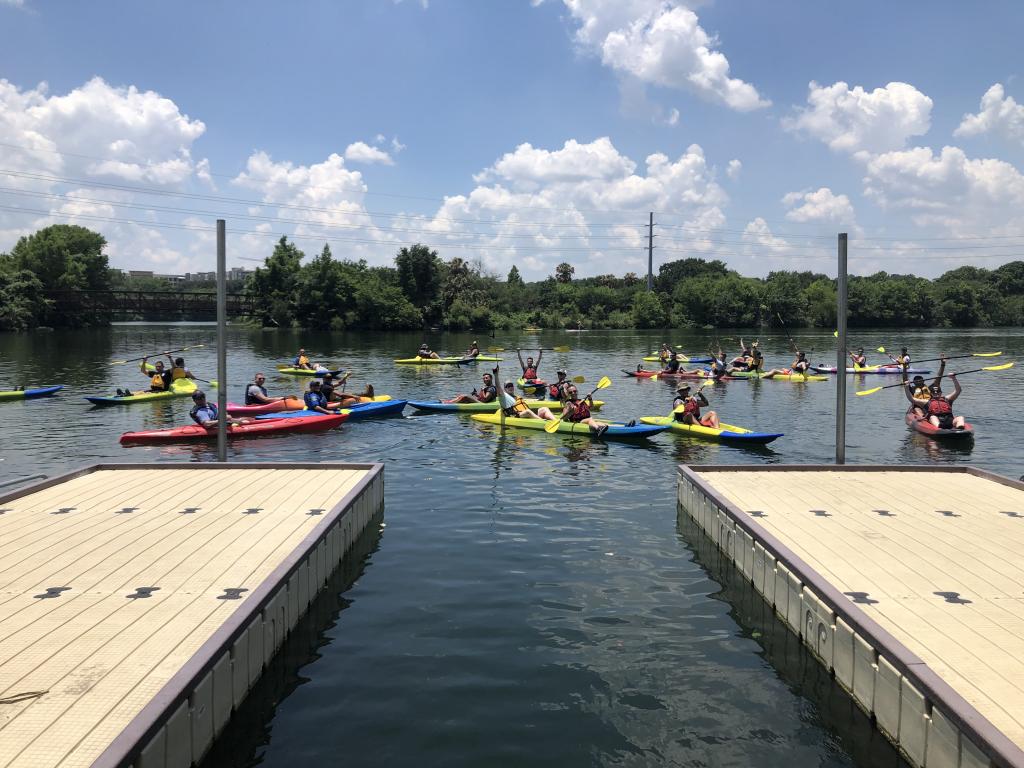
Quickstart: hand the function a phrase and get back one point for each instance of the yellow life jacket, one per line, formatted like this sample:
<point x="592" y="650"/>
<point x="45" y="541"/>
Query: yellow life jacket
<point x="157" y="382"/>
<point x="922" y="393"/>
<point x="178" y="373"/>
<point x="303" y="361"/>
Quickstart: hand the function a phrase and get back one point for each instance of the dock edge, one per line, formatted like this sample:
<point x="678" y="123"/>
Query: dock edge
<point x="922" y="715"/>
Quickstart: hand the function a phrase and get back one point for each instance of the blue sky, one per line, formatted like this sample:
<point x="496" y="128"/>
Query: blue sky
<point x="523" y="133"/>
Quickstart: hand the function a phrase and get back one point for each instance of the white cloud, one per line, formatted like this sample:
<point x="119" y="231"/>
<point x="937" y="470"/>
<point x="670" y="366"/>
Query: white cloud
<point x="860" y="122"/>
<point x="733" y="169"/>
<point x="999" y="114"/>
<point x="819" y="205"/>
<point x="673" y="117"/>
<point x="574" y="162"/>
<point x="660" y="42"/>
<point x="361" y="152"/>
<point x="15" y="3"/>
<point x="396" y="145"/>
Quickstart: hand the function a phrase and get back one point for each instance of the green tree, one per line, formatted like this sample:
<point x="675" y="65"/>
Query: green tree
<point x="419" y="276"/>
<point x="673" y="272"/>
<point x="514" y="280"/>
<point x="273" y="285"/>
<point x="564" y="272"/>
<point x="64" y="256"/>
<point x="21" y="300"/>
<point x="648" y="311"/>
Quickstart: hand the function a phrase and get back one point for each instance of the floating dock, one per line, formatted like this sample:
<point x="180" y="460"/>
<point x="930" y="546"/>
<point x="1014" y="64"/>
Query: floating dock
<point x="140" y="603"/>
<point x="906" y="583"/>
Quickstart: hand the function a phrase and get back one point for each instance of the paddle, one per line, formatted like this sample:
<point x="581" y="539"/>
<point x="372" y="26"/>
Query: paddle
<point x="156" y="354"/>
<point x="682" y="407"/>
<point x="879" y="349"/>
<point x="959" y="357"/>
<point x="552" y="426"/>
<point x="792" y="343"/>
<point x="1002" y="367"/>
<point x="539" y="349"/>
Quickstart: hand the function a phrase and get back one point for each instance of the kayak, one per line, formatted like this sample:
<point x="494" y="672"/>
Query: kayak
<point x="694" y="360"/>
<point x="291" y="404"/>
<point x="537" y="386"/>
<point x="447" y="360"/>
<point x="797" y="377"/>
<point x="289" y="371"/>
<point x="31" y="393"/>
<point x="925" y="427"/>
<point x="145" y="397"/>
<point x="318" y="423"/>
<point x="533" y="330"/>
<point x="880" y="369"/>
<point x="727" y="433"/>
<point x="614" y="432"/>
<point x="438" y="407"/>
<point x="699" y="375"/>
<point x="355" y="413"/>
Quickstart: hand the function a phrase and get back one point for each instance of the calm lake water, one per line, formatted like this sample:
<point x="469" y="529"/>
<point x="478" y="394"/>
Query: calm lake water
<point x="530" y="599"/>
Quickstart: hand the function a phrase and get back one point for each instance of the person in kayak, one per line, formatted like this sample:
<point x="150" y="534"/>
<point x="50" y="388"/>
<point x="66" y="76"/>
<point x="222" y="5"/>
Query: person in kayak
<point x="692" y="405"/>
<point x="903" y="359"/>
<point x="487" y="394"/>
<point x="798" y="367"/>
<point x="336" y="399"/>
<point x="301" y="361"/>
<point x="159" y="378"/>
<point x="756" y="361"/>
<point x="860" y="360"/>
<point x="426" y="352"/>
<point x="530" y="367"/>
<point x="578" y="412"/>
<point x="514" y="406"/>
<point x="719" y="367"/>
<point x="558" y="389"/>
<point x="919" y="390"/>
<point x="672" y="366"/>
<point x="315" y="400"/>
<point x="473" y="351"/>
<point x="665" y="354"/>
<point x="205" y="414"/>
<point x="256" y="393"/>
<point x="740" y="362"/>
<point x="938" y="407"/>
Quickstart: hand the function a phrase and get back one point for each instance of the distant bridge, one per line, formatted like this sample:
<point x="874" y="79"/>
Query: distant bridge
<point x="150" y="305"/>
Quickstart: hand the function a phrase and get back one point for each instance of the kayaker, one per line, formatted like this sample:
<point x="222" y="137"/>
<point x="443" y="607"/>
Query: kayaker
<point x="557" y="389"/>
<point x="426" y="352"/>
<point x="918" y="389"/>
<point x="343" y="399"/>
<point x="205" y="414"/>
<point x="756" y="361"/>
<point x="159" y="378"/>
<point x="719" y="367"/>
<point x="692" y="405"/>
<point x="798" y="367"/>
<point x="530" y="367"/>
<point x="860" y="360"/>
<point x="256" y="393"/>
<point x="487" y="393"/>
<point x="903" y="359"/>
<point x="939" y="408"/>
<point x="473" y="351"/>
<point x="665" y="354"/>
<point x="514" y="406"/>
<point x="302" y="362"/>
<point x="672" y="366"/>
<point x="315" y="400"/>
<point x="578" y="411"/>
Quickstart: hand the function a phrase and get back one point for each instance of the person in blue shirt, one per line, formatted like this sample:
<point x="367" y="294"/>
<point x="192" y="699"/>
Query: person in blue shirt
<point x="205" y="414"/>
<point x="315" y="400"/>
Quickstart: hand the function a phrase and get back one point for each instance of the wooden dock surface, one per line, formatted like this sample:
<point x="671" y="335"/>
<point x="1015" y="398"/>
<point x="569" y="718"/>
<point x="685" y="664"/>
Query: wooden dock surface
<point x="934" y="558"/>
<point x="111" y="581"/>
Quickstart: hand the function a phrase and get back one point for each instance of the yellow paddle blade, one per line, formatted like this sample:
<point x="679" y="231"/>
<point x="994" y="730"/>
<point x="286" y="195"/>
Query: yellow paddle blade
<point x="558" y="349"/>
<point x="653" y="378"/>
<point x="986" y="354"/>
<point x="836" y="334"/>
<point x="605" y="382"/>
<point x="552" y="426"/>
<point x="881" y="349"/>
<point x="1002" y="367"/>
<point x="579" y="380"/>
<point x="679" y="409"/>
<point x="495" y="349"/>
<point x="868" y="391"/>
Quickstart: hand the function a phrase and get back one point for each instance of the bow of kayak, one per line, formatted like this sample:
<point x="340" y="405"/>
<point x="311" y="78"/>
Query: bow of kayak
<point x="726" y="433"/>
<point x="436" y="406"/>
<point x="290" y="371"/>
<point x="447" y="360"/>
<point x="921" y="425"/>
<point x="642" y="374"/>
<point x="318" y="423"/>
<point x="614" y="431"/>
<point x="31" y="393"/>
<point x="182" y="390"/>
<point x="355" y="412"/>
<point x="797" y="377"/>
<point x="877" y="369"/>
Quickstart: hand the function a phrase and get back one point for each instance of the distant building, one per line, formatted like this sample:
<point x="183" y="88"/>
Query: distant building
<point x="140" y="273"/>
<point x="239" y="273"/>
<point x="200" y="277"/>
<point x="171" y="278"/>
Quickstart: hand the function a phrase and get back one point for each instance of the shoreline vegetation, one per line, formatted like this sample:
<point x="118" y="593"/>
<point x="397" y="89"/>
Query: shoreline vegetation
<point x="422" y="290"/>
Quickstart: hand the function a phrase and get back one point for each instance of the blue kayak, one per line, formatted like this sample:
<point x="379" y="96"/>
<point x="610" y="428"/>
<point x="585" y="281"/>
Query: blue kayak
<point x="358" y="411"/>
<point x="29" y="394"/>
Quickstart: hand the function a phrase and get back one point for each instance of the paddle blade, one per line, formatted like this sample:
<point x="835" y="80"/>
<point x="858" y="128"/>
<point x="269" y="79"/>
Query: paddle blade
<point x="495" y="349"/>
<point x="579" y="380"/>
<point x="605" y="382"/>
<point x="868" y="391"/>
<point x="122" y="362"/>
<point x="653" y="378"/>
<point x="559" y="349"/>
<point x="881" y="349"/>
<point x="1002" y="367"/>
<point x="552" y="426"/>
<point x="975" y="354"/>
<point x="679" y="409"/>
<point x="836" y="334"/>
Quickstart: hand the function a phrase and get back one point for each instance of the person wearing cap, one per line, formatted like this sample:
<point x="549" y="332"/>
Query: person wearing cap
<point x="918" y="390"/>
<point x="205" y="414"/>
<point x="692" y="405"/>
<point x="315" y="400"/>
<point x="487" y="394"/>
<point x="799" y="366"/>
<point x="938" y="407"/>
<point x="473" y="351"/>
<point x="557" y="389"/>
<point x="514" y="406"/>
<point x="426" y="352"/>
<point x="860" y="360"/>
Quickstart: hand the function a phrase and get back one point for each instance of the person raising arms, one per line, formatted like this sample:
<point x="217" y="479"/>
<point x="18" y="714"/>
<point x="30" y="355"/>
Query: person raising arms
<point x="529" y="367"/>
<point x="938" y="407"/>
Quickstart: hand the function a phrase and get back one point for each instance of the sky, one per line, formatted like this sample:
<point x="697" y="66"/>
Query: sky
<point x="520" y="132"/>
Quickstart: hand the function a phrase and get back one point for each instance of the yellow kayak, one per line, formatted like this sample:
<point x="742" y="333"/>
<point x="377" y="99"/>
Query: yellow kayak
<point x="726" y="433"/>
<point x="447" y="360"/>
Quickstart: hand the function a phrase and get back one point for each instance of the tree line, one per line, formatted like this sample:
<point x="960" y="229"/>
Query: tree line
<point x="423" y="290"/>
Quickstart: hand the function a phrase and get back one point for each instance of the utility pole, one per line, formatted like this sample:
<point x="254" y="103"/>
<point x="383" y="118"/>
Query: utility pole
<point x="222" y="349"/>
<point x="650" y="253"/>
<point x="841" y="359"/>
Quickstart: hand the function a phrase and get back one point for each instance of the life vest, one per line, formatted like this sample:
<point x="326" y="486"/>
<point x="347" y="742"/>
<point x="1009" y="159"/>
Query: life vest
<point x="580" y="411"/>
<point x="554" y="390"/>
<point x="178" y="373"/>
<point x="157" y="383"/>
<point x="939" y="406"/>
<point x="519" y="406"/>
<point x="530" y="373"/>
<point x="314" y="400"/>
<point x="921" y="393"/>
<point x="301" y="361"/>
<point x="249" y="399"/>
<point x="692" y="408"/>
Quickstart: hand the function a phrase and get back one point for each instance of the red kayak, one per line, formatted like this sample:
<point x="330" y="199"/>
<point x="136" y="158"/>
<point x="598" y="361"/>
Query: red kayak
<point x="318" y="423"/>
<point x="702" y="375"/>
<point x="289" y="404"/>
<point x="925" y="427"/>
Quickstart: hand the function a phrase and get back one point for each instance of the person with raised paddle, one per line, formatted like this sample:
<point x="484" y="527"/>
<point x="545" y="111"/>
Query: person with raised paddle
<point x="686" y="407"/>
<point x="860" y="360"/>
<point x="939" y="407"/>
<point x="1003" y="367"/>
<point x="918" y="389"/>
<point x="577" y="411"/>
<point x="159" y="378"/>
<point x="530" y="368"/>
<point x="515" y="407"/>
<point x="487" y="393"/>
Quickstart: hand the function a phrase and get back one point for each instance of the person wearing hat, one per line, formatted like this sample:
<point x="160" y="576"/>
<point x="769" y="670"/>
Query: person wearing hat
<point x="692" y="405"/>
<point x="426" y="352"/>
<point x="557" y="389"/>
<point x="473" y="351"/>
<point x="205" y="414"/>
<point x="918" y="390"/>
<point x="860" y="360"/>
<point x="315" y="400"/>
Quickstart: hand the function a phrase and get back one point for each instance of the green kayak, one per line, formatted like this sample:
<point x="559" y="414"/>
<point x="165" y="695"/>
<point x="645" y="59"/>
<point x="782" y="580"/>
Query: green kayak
<point x="177" y="390"/>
